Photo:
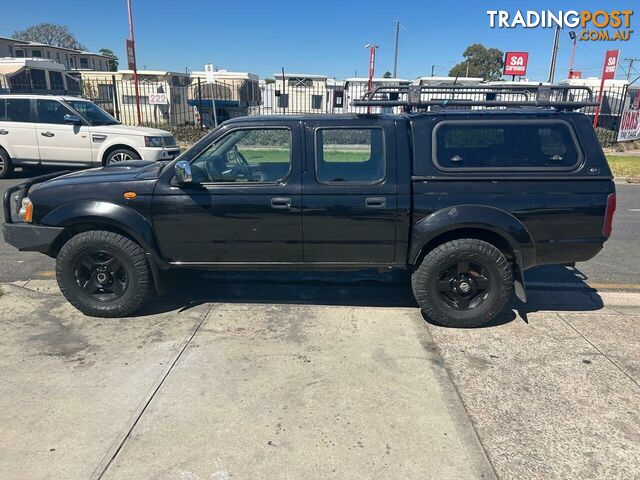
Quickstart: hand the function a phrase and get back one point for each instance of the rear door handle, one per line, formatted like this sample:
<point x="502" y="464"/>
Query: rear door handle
<point x="375" y="202"/>
<point x="282" y="203"/>
<point x="4" y="132"/>
<point x="47" y="134"/>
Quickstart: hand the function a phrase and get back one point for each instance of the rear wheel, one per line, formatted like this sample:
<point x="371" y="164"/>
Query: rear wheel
<point x="121" y="155"/>
<point x="103" y="274"/>
<point x="6" y="168"/>
<point x="463" y="283"/>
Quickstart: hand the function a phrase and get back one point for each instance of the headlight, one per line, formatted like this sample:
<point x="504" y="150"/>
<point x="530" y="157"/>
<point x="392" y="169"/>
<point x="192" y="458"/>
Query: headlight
<point x="153" y="142"/>
<point x="26" y="210"/>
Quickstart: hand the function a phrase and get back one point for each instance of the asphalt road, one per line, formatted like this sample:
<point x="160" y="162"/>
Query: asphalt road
<point x="616" y="267"/>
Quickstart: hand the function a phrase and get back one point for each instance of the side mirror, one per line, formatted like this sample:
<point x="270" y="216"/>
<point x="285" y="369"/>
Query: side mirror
<point x="72" y="119"/>
<point x="183" y="172"/>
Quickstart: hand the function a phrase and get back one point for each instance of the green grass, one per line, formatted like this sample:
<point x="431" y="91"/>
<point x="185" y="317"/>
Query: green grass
<point x="266" y="155"/>
<point x="624" y="166"/>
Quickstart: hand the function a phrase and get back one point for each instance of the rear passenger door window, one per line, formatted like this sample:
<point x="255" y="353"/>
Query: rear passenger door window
<point x="507" y="145"/>
<point x="351" y="155"/>
<point x="18" y="110"/>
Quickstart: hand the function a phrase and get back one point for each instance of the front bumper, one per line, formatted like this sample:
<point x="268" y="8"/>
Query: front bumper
<point x="30" y="238"/>
<point x="158" y="153"/>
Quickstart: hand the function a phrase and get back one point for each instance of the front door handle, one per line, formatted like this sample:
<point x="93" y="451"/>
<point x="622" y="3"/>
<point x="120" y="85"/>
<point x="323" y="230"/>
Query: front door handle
<point x="282" y="203"/>
<point x="4" y="132"/>
<point x="47" y="134"/>
<point x="375" y="202"/>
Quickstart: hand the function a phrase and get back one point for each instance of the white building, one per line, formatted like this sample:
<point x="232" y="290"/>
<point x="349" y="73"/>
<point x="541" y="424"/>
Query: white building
<point x="299" y="93"/>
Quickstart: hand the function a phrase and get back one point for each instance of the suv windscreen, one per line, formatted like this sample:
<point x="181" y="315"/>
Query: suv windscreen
<point x="527" y="145"/>
<point x="92" y="113"/>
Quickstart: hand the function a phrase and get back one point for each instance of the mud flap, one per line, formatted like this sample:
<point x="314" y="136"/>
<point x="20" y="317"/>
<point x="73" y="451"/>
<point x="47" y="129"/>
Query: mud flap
<point x="518" y="277"/>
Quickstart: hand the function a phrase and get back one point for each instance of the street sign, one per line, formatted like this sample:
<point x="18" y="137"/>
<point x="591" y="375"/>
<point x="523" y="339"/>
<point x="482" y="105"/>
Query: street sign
<point x="210" y="72"/>
<point x="131" y="55"/>
<point x="515" y="63"/>
<point x="575" y="74"/>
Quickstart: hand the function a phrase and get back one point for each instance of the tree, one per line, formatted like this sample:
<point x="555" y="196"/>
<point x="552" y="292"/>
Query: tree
<point x="387" y="74"/>
<point x="113" y="60"/>
<point x="49" y="34"/>
<point x="481" y="62"/>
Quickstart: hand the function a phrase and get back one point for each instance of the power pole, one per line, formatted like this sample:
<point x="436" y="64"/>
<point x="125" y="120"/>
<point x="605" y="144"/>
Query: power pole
<point x="395" y="53"/>
<point x="433" y="69"/>
<point x="631" y="61"/>
<point x="554" y="55"/>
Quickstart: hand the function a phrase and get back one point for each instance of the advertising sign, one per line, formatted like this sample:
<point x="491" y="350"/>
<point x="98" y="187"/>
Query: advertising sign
<point x="575" y="74"/>
<point x="131" y="55"/>
<point x="629" y="126"/>
<point x="515" y="63"/>
<point x="610" y="64"/>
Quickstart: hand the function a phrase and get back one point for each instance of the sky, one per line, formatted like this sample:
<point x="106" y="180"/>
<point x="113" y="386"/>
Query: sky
<point x="318" y="37"/>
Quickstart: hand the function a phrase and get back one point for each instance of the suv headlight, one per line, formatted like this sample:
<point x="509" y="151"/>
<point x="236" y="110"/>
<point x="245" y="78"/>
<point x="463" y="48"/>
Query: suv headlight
<point x="153" y="142"/>
<point x="26" y="210"/>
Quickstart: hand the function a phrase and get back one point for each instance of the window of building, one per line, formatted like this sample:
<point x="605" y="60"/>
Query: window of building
<point x="84" y="63"/>
<point x="38" y="80"/>
<point x="55" y="78"/>
<point x="19" y="53"/>
<point x="316" y="102"/>
<point x="17" y="110"/>
<point x="283" y="100"/>
<point x="10" y="50"/>
<point x="36" y="53"/>
<point x="51" y="111"/>
<point x="350" y="155"/>
<point x="521" y="145"/>
<point x="300" y="82"/>
<point x="260" y="155"/>
<point x="131" y="99"/>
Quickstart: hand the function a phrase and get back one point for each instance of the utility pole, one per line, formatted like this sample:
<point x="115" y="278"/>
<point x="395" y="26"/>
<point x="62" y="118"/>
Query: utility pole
<point x="433" y="69"/>
<point x="395" y="54"/>
<point x="554" y="55"/>
<point x="631" y="61"/>
<point x="135" y="69"/>
<point x="372" y="67"/>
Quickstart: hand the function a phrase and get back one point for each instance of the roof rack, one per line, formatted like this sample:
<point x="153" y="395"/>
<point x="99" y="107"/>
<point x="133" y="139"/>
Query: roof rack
<point x="560" y="97"/>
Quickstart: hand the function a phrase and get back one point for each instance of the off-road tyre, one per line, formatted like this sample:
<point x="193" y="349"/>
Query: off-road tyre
<point x="429" y="282"/>
<point x="133" y="267"/>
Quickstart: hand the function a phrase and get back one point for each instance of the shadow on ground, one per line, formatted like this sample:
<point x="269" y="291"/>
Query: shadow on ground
<point x="371" y="288"/>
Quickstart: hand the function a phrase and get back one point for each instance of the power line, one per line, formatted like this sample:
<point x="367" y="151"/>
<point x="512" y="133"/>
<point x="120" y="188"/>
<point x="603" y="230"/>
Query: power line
<point x="631" y="61"/>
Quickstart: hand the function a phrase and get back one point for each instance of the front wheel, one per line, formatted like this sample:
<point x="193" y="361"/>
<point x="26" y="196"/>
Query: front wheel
<point x="121" y="155"/>
<point x="5" y="164"/>
<point x="463" y="283"/>
<point x="103" y="274"/>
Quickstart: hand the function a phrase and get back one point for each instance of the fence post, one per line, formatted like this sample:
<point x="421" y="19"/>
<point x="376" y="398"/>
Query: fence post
<point x="116" y="106"/>
<point x="620" y="112"/>
<point x="200" y="104"/>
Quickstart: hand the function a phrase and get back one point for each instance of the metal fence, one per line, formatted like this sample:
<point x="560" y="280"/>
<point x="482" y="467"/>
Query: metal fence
<point x="179" y="100"/>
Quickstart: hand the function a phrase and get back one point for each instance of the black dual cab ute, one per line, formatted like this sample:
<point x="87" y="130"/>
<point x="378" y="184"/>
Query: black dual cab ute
<point x="467" y="194"/>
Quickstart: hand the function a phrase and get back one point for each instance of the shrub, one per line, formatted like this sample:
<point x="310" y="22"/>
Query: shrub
<point x="184" y="134"/>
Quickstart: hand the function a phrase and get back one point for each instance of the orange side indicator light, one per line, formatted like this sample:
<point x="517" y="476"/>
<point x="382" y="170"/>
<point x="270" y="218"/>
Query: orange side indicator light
<point x="130" y="195"/>
<point x="28" y="215"/>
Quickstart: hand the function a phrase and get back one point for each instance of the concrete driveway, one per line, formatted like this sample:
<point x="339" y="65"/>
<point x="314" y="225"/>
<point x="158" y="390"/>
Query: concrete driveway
<point x="226" y="390"/>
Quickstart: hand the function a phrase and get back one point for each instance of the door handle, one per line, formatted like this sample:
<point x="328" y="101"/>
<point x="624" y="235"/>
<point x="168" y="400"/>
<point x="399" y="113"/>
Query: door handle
<point x="375" y="202"/>
<point x="283" y="203"/>
<point x="4" y="132"/>
<point x="47" y="134"/>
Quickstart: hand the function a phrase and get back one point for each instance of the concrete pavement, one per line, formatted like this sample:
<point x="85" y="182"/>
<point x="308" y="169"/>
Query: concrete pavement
<point x="228" y="390"/>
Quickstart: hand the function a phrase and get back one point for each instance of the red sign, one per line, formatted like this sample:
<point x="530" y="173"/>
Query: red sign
<point x="610" y="64"/>
<point x="575" y="74"/>
<point x="515" y="63"/>
<point x="131" y="55"/>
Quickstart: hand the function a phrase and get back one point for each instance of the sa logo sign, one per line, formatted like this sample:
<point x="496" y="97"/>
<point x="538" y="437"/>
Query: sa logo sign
<point x="515" y="63"/>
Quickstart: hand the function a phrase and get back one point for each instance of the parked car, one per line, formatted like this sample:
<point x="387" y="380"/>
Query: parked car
<point x="466" y="200"/>
<point x="54" y="131"/>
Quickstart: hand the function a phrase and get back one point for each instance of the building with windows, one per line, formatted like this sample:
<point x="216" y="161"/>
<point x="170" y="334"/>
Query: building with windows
<point x="163" y="95"/>
<point x="236" y="94"/>
<point x="297" y="93"/>
<point x="356" y="87"/>
<point x="70" y="58"/>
